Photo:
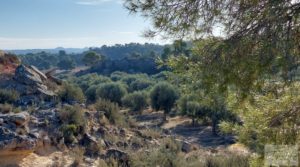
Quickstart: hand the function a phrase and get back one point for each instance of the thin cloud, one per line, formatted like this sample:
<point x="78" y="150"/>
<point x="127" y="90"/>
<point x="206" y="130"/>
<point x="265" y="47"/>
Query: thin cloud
<point x="125" y="32"/>
<point x="96" y="2"/>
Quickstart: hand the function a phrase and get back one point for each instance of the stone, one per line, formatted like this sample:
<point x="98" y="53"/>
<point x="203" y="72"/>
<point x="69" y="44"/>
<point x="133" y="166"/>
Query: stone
<point x="121" y="156"/>
<point x="122" y="132"/>
<point x="10" y="141"/>
<point x="20" y="119"/>
<point x="30" y="83"/>
<point x="136" y="146"/>
<point x="90" y="143"/>
<point x="187" y="147"/>
<point x="27" y="76"/>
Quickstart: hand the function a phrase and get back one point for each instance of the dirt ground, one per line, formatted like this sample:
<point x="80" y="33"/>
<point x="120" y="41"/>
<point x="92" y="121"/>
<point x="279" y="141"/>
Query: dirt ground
<point x="181" y="128"/>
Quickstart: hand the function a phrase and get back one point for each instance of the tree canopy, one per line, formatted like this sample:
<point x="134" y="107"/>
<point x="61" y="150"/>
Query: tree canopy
<point x="249" y="68"/>
<point x="91" y="58"/>
<point x="257" y="37"/>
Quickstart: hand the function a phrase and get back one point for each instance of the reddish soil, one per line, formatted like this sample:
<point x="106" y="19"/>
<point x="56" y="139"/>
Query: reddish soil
<point x="7" y="69"/>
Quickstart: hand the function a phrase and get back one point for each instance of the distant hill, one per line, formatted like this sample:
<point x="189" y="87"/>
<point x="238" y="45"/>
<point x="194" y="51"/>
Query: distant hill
<point x="119" y="51"/>
<point x="53" y="51"/>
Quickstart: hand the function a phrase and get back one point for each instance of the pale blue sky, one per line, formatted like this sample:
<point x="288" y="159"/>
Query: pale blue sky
<point x="68" y="23"/>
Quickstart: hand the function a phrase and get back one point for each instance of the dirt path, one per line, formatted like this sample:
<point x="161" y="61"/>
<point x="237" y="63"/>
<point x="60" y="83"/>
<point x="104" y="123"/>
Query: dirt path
<point x="181" y="128"/>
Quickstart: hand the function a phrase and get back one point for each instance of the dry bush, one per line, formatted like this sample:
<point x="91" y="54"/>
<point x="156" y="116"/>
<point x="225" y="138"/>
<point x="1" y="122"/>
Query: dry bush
<point x="6" y="108"/>
<point x="73" y="122"/>
<point x="78" y="154"/>
<point x="9" y="96"/>
<point x="111" y="112"/>
<point x="151" y="133"/>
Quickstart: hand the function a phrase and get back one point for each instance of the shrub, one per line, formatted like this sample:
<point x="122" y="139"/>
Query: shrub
<point x="111" y="111"/>
<point x="227" y="161"/>
<point x="169" y="155"/>
<point x="68" y="132"/>
<point x="8" y="96"/>
<point x="117" y="75"/>
<point x="90" y="93"/>
<point x="111" y="91"/>
<point x="6" y="108"/>
<point x="162" y="76"/>
<point x="182" y="103"/>
<point x="78" y="155"/>
<point x="193" y="111"/>
<point x="89" y="80"/>
<point x="166" y="155"/>
<point x="73" y="122"/>
<point x="135" y="101"/>
<point x="129" y="79"/>
<point x="140" y="84"/>
<point x="71" y="93"/>
<point x="72" y="115"/>
<point x="163" y="96"/>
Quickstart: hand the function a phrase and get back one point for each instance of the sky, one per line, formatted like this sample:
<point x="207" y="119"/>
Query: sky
<point x="42" y="24"/>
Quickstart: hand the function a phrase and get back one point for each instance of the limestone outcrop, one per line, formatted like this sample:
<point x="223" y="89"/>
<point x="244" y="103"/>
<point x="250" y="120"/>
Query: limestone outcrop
<point x="31" y="84"/>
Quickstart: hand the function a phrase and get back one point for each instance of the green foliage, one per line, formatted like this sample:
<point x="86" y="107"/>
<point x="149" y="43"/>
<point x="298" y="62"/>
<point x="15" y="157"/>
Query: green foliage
<point x="111" y="91"/>
<point x="71" y="93"/>
<point x="66" y="64"/>
<point x="136" y="101"/>
<point x="163" y="97"/>
<point x="183" y="101"/>
<point x="89" y="80"/>
<point x="193" y="110"/>
<point x="91" y="58"/>
<point x="162" y="76"/>
<point x="119" y="51"/>
<point x="140" y="84"/>
<point x="166" y="155"/>
<point x="130" y="78"/>
<point x="72" y="115"/>
<point x="169" y="155"/>
<point x="68" y="132"/>
<point x="8" y="96"/>
<point x="117" y="75"/>
<point x="111" y="111"/>
<point x="240" y="67"/>
<point x="90" y="93"/>
<point x="73" y="122"/>
<point x="227" y="161"/>
<point x="272" y="117"/>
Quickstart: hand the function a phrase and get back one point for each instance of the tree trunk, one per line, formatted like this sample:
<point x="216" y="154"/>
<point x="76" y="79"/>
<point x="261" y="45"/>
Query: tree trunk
<point x="165" y="117"/>
<point x="193" y="122"/>
<point x="215" y="127"/>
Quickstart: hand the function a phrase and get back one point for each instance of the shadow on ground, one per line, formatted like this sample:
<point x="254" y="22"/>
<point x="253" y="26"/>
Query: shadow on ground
<point x="181" y="127"/>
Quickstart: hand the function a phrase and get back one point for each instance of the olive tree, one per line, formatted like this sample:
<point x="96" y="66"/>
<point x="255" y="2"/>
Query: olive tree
<point x="111" y="91"/>
<point x="163" y="97"/>
<point x="136" y="101"/>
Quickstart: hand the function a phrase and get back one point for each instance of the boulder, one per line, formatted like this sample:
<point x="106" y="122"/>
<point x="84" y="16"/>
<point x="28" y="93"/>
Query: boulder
<point x="20" y="119"/>
<point x="121" y="156"/>
<point x="30" y="83"/>
<point x="188" y="147"/>
<point x="90" y="143"/>
<point x="27" y="76"/>
<point x="11" y="141"/>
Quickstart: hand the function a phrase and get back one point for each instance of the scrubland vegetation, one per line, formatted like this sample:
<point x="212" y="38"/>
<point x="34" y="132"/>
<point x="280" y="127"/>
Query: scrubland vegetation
<point x="244" y="85"/>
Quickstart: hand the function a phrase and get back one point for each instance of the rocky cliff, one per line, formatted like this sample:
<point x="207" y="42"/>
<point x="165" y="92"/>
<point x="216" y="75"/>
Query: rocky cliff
<point x="32" y="85"/>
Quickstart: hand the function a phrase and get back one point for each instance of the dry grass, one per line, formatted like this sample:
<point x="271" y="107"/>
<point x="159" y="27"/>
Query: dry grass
<point x="151" y="133"/>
